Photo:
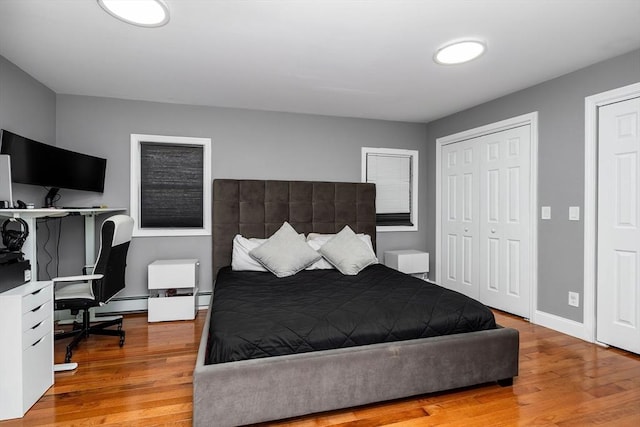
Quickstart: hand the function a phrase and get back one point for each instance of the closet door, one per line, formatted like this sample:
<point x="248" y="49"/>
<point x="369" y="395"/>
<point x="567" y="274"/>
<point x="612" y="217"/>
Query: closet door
<point x="485" y="219"/>
<point x="618" y="287"/>
<point x="505" y="223"/>
<point x="460" y="209"/>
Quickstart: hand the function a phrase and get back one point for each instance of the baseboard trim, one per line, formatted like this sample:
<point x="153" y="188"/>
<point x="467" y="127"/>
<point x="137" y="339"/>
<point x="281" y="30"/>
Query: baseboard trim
<point x="560" y="324"/>
<point x="134" y="304"/>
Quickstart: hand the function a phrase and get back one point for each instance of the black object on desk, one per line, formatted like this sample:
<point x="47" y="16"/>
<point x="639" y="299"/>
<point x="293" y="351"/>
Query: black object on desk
<point x="14" y="270"/>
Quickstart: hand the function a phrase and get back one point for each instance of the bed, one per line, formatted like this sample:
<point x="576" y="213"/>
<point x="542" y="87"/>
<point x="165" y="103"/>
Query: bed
<point x="239" y="392"/>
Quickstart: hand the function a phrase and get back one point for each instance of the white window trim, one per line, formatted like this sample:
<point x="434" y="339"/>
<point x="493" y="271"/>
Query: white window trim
<point x="136" y="140"/>
<point x="413" y="154"/>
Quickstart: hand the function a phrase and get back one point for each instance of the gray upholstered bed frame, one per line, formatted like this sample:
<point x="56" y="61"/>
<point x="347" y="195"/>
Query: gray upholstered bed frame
<point x="259" y="390"/>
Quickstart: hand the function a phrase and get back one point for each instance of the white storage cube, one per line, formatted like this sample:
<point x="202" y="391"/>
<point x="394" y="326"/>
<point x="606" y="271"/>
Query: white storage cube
<point x="162" y="309"/>
<point x="181" y="275"/>
<point x="173" y="273"/>
<point x="408" y="261"/>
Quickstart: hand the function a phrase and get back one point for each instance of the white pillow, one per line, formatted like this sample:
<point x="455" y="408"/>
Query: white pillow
<point x="321" y="264"/>
<point x="324" y="238"/>
<point x="285" y="253"/>
<point x="347" y="252"/>
<point x="240" y="259"/>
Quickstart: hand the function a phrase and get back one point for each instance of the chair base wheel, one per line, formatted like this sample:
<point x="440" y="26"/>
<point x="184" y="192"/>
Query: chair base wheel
<point x="63" y="367"/>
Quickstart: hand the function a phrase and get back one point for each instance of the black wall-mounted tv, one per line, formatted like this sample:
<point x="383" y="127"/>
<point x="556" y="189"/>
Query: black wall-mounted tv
<point x="36" y="163"/>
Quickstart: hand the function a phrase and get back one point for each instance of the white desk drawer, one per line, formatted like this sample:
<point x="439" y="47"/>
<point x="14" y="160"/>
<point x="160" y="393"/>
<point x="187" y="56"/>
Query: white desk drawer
<point x="31" y="336"/>
<point x="26" y="358"/>
<point x="37" y="298"/>
<point x="35" y="316"/>
<point x="37" y="372"/>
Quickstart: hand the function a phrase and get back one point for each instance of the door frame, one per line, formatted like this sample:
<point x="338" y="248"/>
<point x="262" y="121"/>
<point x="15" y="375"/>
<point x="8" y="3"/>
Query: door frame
<point x="592" y="103"/>
<point x="530" y="119"/>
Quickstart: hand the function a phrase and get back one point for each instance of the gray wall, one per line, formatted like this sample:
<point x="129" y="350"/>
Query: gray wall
<point x="28" y="108"/>
<point x="560" y="103"/>
<point x="245" y="144"/>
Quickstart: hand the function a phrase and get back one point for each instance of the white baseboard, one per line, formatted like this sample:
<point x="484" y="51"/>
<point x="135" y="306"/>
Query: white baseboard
<point x="133" y="305"/>
<point x="560" y="324"/>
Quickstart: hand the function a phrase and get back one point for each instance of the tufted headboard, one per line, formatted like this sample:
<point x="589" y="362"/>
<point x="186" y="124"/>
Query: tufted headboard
<point x="256" y="208"/>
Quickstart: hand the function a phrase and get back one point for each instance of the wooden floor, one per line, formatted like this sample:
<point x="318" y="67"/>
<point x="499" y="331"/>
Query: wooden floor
<point x="563" y="381"/>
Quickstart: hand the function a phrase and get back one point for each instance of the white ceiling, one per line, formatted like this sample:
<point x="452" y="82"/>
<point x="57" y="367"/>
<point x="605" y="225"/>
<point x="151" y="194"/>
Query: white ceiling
<point x="354" y="58"/>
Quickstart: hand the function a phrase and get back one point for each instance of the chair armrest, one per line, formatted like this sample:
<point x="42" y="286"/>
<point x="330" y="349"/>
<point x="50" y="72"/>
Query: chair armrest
<point x="83" y="278"/>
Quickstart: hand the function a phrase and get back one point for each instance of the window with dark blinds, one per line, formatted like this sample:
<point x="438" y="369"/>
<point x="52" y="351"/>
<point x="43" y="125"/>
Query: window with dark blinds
<point x="171" y="185"/>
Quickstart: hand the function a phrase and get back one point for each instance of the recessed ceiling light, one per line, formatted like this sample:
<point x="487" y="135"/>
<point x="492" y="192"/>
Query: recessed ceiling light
<point x="143" y="13"/>
<point x="459" y="52"/>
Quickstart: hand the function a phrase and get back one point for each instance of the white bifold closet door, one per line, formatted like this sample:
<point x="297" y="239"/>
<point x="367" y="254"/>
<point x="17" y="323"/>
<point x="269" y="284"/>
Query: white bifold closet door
<point x="618" y="287"/>
<point x="460" y="217"/>
<point x="486" y="224"/>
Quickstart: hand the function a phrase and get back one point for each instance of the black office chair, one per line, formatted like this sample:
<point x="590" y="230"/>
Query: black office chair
<point x="80" y="293"/>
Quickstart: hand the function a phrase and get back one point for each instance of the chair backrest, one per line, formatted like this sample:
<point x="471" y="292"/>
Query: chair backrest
<point x="115" y="237"/>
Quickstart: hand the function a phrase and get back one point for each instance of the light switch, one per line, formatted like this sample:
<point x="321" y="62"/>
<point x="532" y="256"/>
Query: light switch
<point x="574" y="213"/>
<point x="545" y="212"/>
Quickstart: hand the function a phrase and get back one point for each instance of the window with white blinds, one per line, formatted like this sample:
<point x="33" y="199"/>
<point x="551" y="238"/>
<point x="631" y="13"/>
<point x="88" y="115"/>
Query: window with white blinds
<point x="395" y="173"/>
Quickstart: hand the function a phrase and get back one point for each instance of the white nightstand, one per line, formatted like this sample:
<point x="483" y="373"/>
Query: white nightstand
<point x="408" y="261"/>
<point x="181" y="275"/>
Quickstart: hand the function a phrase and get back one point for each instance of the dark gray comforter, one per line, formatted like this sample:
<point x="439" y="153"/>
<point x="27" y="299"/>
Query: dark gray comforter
<point x="256" y="315"/>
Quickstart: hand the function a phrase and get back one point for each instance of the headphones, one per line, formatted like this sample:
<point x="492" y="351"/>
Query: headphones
<point x="14" y="239"/>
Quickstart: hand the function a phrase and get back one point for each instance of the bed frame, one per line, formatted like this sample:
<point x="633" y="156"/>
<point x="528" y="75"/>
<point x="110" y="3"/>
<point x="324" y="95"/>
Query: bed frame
<point x="258" y="390"/>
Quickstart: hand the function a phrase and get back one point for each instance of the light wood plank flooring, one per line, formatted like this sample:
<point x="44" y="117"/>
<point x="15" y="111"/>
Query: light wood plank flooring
<point x="563" y="381"/>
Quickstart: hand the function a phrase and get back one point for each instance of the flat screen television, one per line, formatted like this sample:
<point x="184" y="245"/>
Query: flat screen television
<point x="41" y="164"/>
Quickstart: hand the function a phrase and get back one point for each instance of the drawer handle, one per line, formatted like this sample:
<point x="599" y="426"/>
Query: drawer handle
<point x="35" y="326"/>
<point x="37" y="308"/>
<point x="37" y="292"/>
<point x="37" y="342"/>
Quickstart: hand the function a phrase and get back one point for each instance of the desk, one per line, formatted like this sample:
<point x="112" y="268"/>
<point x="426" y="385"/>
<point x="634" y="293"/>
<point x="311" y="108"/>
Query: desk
<point x="31" y="215"/>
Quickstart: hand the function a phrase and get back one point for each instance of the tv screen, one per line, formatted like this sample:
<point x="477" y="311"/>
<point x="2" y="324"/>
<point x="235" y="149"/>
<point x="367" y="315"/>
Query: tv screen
<point x="36" y="163"/>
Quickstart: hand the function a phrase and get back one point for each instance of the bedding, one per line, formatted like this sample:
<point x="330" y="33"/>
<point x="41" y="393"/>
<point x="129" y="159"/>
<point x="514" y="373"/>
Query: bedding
<point x="285" y="253"/>
<point x="256" y="315"/>
<point x="347" y="252"/>
<point x="317" y="240"/>
<point x="322" y="263"/>
<point x="321" y="239"/>
<point x="240" y="258"/>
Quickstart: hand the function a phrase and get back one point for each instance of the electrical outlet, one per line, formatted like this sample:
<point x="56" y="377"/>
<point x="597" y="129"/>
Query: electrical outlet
<point x="574" y="299"/>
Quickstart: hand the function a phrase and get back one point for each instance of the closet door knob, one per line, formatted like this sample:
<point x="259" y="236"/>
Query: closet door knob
<point x="466" y="230"/>
<point x="493" y="230"/>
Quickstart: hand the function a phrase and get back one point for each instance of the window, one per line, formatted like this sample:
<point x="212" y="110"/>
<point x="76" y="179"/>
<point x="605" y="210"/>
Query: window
<point x="395" y="173"/>
<point x="170" y="185"/>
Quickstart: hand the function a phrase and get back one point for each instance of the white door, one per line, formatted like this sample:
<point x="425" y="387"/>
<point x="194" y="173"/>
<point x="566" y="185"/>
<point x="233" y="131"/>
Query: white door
<point x="460" y="206"/>
<point x="485" y="220"/>
<point x="618" y="277"/>
<point x="505" y="223"/>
